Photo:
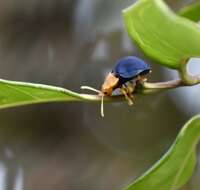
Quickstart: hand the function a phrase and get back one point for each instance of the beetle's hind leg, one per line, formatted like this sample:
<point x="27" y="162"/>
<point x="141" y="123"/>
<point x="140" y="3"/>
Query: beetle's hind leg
<point x="141" y="79"/>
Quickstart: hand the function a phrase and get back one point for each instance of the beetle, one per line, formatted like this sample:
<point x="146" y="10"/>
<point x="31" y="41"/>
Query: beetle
<point x="125" y="75"/>
<point x="128" y="72"/>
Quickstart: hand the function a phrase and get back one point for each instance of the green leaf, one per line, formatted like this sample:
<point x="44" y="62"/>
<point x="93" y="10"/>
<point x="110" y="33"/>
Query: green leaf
<point x="175" y="168"/>
<point x="14" y="94"/>
<point x="191" y="12"/>
<point x="161" y="34"/>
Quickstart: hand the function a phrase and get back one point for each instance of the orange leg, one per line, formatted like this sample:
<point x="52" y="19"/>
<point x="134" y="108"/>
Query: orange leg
<point x="127" y="91"/>
<point x="130" y="86"/>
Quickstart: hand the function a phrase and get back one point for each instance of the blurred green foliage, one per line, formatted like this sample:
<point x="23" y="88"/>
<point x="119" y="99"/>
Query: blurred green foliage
<point x="191" y="12"/>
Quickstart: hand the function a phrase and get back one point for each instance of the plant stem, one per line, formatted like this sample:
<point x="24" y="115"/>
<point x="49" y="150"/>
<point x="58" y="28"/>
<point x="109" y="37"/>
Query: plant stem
<point x="144" y="89"/>
<point x="187" y="78"/>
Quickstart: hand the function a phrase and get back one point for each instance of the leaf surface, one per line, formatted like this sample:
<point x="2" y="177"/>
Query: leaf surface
<point x="175" y="168"/>
<point x="14" y="94"/>
<point x="161" y="34"/>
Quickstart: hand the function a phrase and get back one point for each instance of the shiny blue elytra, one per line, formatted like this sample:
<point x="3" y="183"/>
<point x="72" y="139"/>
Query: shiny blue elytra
<point x="129" y="68"/>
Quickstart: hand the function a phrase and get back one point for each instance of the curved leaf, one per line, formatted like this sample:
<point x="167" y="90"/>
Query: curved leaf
<point x="14" y="94"/>
<point x="191" y="12"/>
<point x="175" y="168"/>
<point x="162" y="35"/>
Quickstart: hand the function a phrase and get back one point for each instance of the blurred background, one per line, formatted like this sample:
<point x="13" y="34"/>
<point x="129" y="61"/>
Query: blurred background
<point x="68" y="146"/>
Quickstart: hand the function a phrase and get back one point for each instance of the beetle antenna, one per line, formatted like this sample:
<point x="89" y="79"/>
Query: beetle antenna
<point x="90" y="88"/>
<point x="102" y="97"/>
<point x="102" y="106"/>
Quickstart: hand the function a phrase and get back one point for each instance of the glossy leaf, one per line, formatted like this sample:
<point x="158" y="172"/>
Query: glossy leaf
<point x="161" y="34"/>
<point x="191" y="12"/>
<point x="14" y="94"/>
<point x="175" y="168"/>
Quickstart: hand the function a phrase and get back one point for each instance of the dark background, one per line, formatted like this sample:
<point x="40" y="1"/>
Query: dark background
<point x="68" y="146"/>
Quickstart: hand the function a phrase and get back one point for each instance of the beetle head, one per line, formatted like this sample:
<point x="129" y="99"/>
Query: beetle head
<point x="109" y="84"/>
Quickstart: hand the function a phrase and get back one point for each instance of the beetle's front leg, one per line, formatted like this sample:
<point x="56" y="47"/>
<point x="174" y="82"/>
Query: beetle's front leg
<point x="130" y="86"/>
<point x="127" y="93"/>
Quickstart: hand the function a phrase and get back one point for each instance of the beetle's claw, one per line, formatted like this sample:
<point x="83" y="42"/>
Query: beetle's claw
<point x="129" y="98"/>
<point x="130" y="101"/>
